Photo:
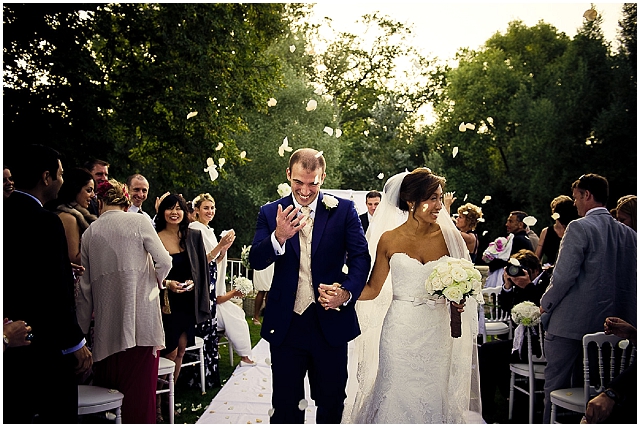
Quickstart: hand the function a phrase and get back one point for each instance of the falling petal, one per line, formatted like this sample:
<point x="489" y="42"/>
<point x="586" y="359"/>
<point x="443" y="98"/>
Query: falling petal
<point x="243" y="154"/>
<point x="380" y="175"/>
<point x="465" y="213"/>
<point x="425" y="207"/>
<point x="465" y="198"/>
<point x="623" y="344"/>
<point x="318" y="154"/>
<point x="192" y="114"/>
<point x="480" y="219"/>
<point x="530" y="220"/>
<point x="366" y="133"/>
<point x="210" y="161"/>
<point x="302" y="405"/>
<point x="328" y="130"/>
<point x="590" y="14"/>
<point x="455" y="152"/>
<point x="271" y="411"/>
<point x="470" y="126"/>
<point x="272" y="102"/>
<point x="316" y="180"/>
<point x="258" y="420"/>
<point x="219" y="147"/>
<point x="154" y="293"/>
<point x="484" y="233"/>
<point x="292" y="48"/>
<point x="221" y="161"/>
<point x="338" y="133"/>
<point x="486" y="199"/>
<point x="555" y="216"/>
<point x="312" y="105"/>
<point x="462" y="127"/>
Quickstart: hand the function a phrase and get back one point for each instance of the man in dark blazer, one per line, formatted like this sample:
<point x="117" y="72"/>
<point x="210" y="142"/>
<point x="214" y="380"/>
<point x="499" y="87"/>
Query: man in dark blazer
<point x="594" y="277"/>
<point x="311" y="314"/>
<point x="373" y="200"/>
<point x="40" y="379"/>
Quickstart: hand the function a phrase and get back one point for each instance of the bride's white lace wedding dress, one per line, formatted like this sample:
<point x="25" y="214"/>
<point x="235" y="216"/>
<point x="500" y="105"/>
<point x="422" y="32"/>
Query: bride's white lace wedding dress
<point x="424" y="375"/>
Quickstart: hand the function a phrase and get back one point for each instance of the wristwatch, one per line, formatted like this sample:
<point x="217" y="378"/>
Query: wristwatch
<point x="612" y="395"/>
<point x="5" y="339"/>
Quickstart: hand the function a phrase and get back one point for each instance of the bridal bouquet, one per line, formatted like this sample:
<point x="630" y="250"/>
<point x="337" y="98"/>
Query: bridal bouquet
<point x="498" y="249"/>
<point x="243" y="285"/>
<point x="454" y="279"/>
<point x="244" y="256"/>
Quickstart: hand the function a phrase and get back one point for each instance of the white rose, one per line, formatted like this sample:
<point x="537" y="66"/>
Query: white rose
<point x="442" y="268"/>
<point x="465" y="286"/>
<point x="436" y="284"/>
<point x="329" y="201"/>
<point x="453" y="293"/>
<point x="459" y="274"/>
<point x="284" y="189"/>
<point x="447" y="279"/>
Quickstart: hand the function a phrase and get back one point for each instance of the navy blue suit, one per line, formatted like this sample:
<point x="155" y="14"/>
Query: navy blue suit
<point x="315" y="341"/>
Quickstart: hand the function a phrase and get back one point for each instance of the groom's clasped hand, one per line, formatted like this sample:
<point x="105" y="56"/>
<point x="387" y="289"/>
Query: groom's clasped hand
<point x="332" y="296"/>
<point x="288" y="223"/>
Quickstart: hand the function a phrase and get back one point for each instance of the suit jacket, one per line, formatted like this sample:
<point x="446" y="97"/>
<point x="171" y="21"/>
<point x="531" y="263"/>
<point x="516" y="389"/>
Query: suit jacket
<point x="364" y="219"/>
<point x="594" y="277"/>
<point x="337" y="236"/>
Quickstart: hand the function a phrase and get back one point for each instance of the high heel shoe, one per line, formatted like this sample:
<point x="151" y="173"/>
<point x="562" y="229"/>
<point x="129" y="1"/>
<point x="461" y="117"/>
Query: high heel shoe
<point x="256" y="321"/>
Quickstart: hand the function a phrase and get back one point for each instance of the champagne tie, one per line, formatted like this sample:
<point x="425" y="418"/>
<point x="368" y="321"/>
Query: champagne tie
<point x="305" y="295"/>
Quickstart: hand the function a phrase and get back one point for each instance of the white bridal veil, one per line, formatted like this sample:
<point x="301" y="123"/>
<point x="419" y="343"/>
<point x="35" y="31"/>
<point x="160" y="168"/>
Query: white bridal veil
<point x="371" y="314"/>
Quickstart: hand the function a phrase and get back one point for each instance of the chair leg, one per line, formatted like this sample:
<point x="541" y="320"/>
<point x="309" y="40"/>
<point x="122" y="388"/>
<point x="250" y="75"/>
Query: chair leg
<point x="202" y="369"/>
<point x="230" y="352"/>
<point x="512" y="382"/>
<point x="118" y="415"/>
<point x="532" y="396"/>
<point x="553" y="413"/>
<point x="171" y="397"/>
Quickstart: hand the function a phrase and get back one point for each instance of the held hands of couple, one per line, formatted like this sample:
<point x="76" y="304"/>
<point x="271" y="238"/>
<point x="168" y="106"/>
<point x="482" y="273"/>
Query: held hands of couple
<point x="177" y="287"/>
<point x="332" y="296"/>
<point x="288" y="223"/>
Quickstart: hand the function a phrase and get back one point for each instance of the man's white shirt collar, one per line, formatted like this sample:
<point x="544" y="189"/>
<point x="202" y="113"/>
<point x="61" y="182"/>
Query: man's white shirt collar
<point x="313" y="205"/>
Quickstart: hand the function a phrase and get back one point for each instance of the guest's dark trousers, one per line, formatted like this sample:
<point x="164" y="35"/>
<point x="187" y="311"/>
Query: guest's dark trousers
<point x="305" y="350"/>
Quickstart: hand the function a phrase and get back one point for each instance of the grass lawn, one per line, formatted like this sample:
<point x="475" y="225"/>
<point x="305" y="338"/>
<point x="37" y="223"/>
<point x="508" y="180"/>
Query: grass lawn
<point x="190" y="397"/>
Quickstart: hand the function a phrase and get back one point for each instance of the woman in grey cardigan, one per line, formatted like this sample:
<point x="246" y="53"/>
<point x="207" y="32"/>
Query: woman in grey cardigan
<point x="125" y="263"/>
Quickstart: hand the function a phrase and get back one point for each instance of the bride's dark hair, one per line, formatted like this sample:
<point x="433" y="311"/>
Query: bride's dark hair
<point x="417" y="186"/>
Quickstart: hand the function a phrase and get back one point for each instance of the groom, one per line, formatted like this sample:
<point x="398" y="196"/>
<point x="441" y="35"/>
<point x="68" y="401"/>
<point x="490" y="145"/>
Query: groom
<point x="310" y="315"/>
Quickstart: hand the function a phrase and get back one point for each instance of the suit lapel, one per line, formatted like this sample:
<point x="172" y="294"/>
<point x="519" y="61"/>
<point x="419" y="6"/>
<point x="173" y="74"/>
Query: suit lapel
<point x="320" y="222"/>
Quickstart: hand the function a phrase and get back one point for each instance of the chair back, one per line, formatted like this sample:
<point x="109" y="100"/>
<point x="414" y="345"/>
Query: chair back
<point x="611" y="359"/>
<point x="493" y="312"/>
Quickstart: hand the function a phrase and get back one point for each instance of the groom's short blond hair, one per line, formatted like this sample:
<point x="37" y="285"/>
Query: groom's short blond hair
<point x="308" y="158"/>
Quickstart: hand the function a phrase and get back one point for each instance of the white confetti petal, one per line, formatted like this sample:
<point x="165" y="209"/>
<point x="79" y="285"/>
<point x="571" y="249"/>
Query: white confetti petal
<point x="243" y="154"/>
<point x="462" y="127"/>
<point x="425" y="207"/>
<point x="271" y="411"/>
<point x="328" y="130"/>
<point x="480" y="219"/>
<point x="530" y="220"/>
<point x="219" y="147"/>
<point x="590" y="14"/>
<point x="221" y="161"/>
<point x="318" y="154"/>
<point x="366" y="133"/>
<point x="470" y="126"/>
<point x="380" y="175"/>
<point x="338" y="133"/>
<point x="484" y="233"/>
<point x="455" y="152"/>
<point x="623" y="344"/>
<point x="154" y="293"/>
<point x="312" y="105"/>
<point x="465" y="213"/>
<point x="272" y="102"/>
<point x="192" y="114"/>
<point x="465" y="198"/>
<point x="555" y="216"/>
<point x="292" y="48"/>
<point x="302" y="405"/>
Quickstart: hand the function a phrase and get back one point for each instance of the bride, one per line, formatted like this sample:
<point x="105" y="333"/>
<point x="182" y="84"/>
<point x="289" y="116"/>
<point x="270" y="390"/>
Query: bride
<point x="423" y="375"/>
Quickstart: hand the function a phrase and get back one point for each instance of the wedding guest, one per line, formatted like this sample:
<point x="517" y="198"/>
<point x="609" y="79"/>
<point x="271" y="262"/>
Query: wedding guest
<point x="594" y="277"/>
<point x="204" y="210"/>
<point x="495" y="356"/>
<point x="302" y="334"/>
<point x="626" y="211"/>
<point x="516" y="226"/>
<point x="125" y="262"/>
<point x="138" y="189"/>
<point x="7" y="183"/>
<point x="563" y="212"/>
<point x="262" y="284"/>
<point x="466" y="222"/>
<point x="42" y="375"/>
<point x="100" y="171"/>
<point x="373" y="200"/>
<point x="72" y="206"/>
<point x="185" y="299"/>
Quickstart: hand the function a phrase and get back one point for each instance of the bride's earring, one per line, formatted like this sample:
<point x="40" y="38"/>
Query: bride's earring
<point x="411" y="209"/>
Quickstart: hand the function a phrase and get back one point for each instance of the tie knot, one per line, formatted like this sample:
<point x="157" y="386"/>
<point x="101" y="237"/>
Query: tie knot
<point x="306" y="210"/>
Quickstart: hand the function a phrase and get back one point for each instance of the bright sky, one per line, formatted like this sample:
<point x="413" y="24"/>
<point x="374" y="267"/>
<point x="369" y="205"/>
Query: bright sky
<point x="441" y="28"/>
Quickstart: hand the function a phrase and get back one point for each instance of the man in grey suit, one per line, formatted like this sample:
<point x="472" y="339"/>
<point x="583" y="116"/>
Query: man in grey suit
<point x="594" y="277"/>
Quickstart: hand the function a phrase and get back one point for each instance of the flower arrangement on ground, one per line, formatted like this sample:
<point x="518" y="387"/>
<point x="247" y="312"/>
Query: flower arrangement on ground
<point x="243" y="285"/>
<point x="455" y="279"/>
<point x="244" y="256"/>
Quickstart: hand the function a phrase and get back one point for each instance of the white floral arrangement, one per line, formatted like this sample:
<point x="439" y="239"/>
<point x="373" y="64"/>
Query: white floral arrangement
<point x="329" y="201"/>
<point x="244" y="256"/>
<point x="455" y="279"/>
<point x="498" y="249"/>
<point x="526" y="313"/>
<point x="284" y="189"/>
<point x="243" y="285"/>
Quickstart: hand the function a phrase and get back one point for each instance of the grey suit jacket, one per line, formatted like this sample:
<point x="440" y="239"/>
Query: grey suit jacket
<point x="594" y="277"/>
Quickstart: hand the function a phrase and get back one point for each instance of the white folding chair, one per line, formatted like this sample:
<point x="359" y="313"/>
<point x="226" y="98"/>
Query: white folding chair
<point x="199" y="347"/>
<point x="93" y="399"/>
<point x="576" y="399"/>
<point x="531" y="371"/>
<point x="167" y="367"/>
<point x="496" y="321"/>
<point x="224" y="340"/>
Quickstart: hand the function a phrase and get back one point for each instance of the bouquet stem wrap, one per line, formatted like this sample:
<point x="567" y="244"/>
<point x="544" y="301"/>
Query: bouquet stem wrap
<point x="456" y="320"/>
